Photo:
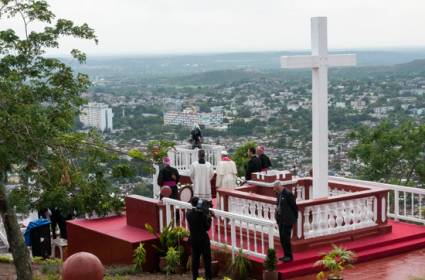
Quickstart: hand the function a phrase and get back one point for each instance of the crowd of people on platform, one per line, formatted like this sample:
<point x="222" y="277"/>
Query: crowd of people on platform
<point x="199" y="217"/>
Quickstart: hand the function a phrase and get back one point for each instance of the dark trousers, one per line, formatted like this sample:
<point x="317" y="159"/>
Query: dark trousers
<point x="175" y="195"/>
<point x="203" y="247"/>
<point x="174" y="192"/>
<point x="285" y="239"/>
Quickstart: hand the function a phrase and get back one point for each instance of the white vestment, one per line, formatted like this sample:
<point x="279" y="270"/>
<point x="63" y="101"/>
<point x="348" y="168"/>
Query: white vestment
<point x="201" y="175"/>
<point x="226" y="174"/>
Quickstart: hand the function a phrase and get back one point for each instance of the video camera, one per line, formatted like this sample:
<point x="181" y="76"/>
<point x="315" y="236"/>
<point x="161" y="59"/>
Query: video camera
<point x="204" y="207"/>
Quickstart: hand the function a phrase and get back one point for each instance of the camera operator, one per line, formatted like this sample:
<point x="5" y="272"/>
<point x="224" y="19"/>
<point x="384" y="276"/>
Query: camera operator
<point x="199" y="220"/>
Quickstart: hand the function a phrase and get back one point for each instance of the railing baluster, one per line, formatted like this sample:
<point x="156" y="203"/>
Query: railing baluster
<point x="262" y="241"/>
<point x="240" y="232"/>
<point x="412" y="195"/>
<point x="174" y="216"/>
<point x="233" y="237"/>
<point x="213" y="228"/>
<point x="225" y="229"/>
<point x="420" y="206"/>
<point x="255" y="239"/>
<point x="397" y="204"/>
<point x="161" y="219"/>
<point x="404" y="200"/>
<point x="247" y="237"/>
<point x="167" y="213"/>
<point x="219" y="229"/>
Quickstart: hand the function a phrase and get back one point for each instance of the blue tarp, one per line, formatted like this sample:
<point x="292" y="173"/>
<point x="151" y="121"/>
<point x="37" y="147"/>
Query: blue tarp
<point x="33" y="225"/>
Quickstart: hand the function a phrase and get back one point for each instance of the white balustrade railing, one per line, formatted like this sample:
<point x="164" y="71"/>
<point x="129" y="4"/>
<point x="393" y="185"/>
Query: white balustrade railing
<point x="252" y="235"/>
<point x="182" y="156"/>
<point x="255" y="209"/>
<point x="337" y="191"/>
<point x="319" y="220"/>
<point x="336" y="217"/>
<point x="404" y="203"/>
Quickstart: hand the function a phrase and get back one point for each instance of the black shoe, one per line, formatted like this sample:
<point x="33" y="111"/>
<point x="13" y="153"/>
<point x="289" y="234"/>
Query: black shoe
<point x="286" y="259"/>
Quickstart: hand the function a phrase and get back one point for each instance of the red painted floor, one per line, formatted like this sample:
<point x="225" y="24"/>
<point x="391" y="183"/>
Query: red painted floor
<point x="115" y="227"/>
<point x="399" y="267"/>
<point x="404" y="238"/>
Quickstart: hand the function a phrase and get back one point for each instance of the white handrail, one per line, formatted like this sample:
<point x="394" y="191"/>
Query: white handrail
<point x="404" y="203"/>
<point x="242" y="228"/>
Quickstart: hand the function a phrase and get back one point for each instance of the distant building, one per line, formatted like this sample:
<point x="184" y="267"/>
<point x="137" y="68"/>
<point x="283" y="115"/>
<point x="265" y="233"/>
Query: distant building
<point x="190" y="117"/>
<point x="97" y="115"/>
<point x="340" y="105"/>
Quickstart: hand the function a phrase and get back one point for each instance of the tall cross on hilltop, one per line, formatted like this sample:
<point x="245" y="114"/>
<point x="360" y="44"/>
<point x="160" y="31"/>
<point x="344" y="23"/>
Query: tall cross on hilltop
<point x="319" y="61"/>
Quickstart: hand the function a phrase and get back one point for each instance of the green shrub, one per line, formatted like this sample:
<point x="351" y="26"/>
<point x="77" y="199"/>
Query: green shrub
<point x="51" y="276"/>
<point x="6" y="259"/>
<point x="116" y="277"/>
<point x="172" y="259"/>
<point x="270" y="261"/>
<point x="139" y="257"/>
<point x="41" y="261"/>
<point x="335" y="261"/>
<point x="120" y="270"/>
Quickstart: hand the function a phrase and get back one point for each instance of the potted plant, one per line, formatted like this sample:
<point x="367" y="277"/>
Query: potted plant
<point x="240" y="268"/>
<point x="221" y="258"/>
<point x="269" y="272"/>
<point x="139" y="257"/>
<point x="334" y="262"/>
<point x="169" y="237"/>
<point x="172" y="259"/>
<point x="163" y="243"/>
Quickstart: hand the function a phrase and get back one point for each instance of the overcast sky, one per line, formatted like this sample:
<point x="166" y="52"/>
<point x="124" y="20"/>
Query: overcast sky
<point x="176" y="26"/>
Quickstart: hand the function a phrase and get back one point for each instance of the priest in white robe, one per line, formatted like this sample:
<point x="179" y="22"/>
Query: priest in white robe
<point x="226" y="172"/>
<point x="201" y="172"/>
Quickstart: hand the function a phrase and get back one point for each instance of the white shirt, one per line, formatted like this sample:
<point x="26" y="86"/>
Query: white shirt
<point x="201" y="175"/>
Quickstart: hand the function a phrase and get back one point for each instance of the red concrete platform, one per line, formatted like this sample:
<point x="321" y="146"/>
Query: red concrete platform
<point x="403" y="238"/>
<point x="110" y="239"/>
<point x="404" y="266"/>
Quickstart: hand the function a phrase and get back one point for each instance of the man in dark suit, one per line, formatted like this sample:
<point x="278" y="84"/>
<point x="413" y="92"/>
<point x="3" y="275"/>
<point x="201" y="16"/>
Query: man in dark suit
<point x="286" y="217"/>
<point x="254" y="164"/>
<point x="265" y="160"/>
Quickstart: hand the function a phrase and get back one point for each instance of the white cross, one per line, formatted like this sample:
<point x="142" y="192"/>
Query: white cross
<point x="319" y="61"/>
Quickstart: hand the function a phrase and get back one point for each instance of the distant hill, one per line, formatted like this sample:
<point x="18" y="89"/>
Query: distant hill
<point x="177" y="65"/>
<point x="417" y="65"/>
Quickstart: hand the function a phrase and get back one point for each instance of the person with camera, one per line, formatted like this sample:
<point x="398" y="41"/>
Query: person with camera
<point x="286" y="216"/>
<point x="199" y="220"/>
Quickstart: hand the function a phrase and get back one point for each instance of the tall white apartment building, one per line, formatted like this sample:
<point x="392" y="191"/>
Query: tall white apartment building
<point x="190" y="117"/>
<point x="97" y="115"/>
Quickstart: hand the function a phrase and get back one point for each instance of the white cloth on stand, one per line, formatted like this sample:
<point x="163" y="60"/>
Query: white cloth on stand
<point x="201" y="175"/>
<point x="226" y="174"/>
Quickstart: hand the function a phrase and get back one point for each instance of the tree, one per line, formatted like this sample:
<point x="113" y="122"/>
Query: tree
<point x="40" y="97"/>
<point x="240" y="156"/>
<point x="394" y="154"/>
